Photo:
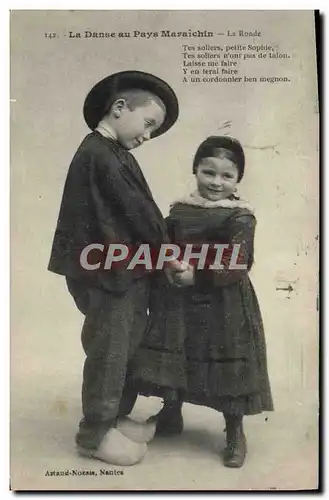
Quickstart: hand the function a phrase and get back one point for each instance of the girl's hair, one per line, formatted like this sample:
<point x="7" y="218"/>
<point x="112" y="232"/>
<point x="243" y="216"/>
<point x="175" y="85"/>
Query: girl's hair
<point x="221" y="147"/>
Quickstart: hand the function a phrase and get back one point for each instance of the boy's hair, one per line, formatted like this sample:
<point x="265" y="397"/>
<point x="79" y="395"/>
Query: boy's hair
<point x="135" y="98"/>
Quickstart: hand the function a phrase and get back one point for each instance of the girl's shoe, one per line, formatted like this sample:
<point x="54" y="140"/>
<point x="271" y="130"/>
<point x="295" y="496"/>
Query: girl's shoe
<point x="236" y="450"/>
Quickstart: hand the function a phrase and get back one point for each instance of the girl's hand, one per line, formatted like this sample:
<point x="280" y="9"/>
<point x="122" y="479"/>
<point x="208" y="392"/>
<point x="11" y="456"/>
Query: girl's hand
<point x="173" y="268"/>
<point x="184" y="278"/>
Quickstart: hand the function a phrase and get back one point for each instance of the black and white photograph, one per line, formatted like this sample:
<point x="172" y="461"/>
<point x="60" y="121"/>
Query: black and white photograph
<point x="164" y="250"/>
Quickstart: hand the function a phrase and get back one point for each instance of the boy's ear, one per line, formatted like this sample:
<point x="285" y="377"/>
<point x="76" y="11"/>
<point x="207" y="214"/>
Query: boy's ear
<point x="117" y="107"/>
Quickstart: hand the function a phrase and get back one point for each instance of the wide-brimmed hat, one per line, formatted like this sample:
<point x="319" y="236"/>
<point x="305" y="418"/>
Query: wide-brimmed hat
<point x="207" y="147"/>
<point x="104" y="93"/>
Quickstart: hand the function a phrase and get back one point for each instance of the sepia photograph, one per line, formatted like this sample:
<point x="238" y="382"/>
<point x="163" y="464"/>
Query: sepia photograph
<point x="164" y="250"/>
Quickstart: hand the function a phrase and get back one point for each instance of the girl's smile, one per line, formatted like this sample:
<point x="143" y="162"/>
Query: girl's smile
<point x="216" y="178"/>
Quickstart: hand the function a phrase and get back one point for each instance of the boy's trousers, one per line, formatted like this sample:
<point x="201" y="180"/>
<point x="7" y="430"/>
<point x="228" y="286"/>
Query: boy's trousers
<point x="112" y="331"/>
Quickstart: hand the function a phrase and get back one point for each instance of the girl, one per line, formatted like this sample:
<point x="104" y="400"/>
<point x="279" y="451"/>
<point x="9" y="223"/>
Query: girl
<point x="205" y="344"/>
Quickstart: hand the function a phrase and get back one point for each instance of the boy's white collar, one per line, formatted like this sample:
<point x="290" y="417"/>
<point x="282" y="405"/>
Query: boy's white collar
<point x="105" y="130"/>
<point x="197" y="200"/>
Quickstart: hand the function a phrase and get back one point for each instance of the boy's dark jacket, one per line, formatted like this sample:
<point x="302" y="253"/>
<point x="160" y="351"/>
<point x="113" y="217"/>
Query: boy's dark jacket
<point x="106" y="199"/>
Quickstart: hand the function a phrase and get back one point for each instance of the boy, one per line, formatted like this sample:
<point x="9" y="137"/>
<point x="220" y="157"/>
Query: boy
<point x="107" y="200"/>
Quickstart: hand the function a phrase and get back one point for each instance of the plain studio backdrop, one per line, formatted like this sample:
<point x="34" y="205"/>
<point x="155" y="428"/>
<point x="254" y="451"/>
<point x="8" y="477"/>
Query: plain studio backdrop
<point x="278" y="125"/>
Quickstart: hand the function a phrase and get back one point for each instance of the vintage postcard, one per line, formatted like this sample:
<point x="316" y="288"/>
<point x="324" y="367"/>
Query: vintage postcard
<point x="164" y="250"/>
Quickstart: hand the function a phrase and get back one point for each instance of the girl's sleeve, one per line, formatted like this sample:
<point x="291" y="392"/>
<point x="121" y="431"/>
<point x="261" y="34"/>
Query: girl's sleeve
<point x="242" y="230"/>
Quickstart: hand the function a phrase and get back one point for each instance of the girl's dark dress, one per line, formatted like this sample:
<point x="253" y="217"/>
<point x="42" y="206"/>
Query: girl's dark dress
<point x="208" y="339"/>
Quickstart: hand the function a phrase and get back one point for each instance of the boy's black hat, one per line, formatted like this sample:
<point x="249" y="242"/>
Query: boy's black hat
<point x="104" y="93"/>
<point x="207" y="147"/>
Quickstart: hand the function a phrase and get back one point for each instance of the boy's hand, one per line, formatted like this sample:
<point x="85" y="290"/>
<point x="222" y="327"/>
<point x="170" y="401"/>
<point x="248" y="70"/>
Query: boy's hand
<point x="176" y="265"/>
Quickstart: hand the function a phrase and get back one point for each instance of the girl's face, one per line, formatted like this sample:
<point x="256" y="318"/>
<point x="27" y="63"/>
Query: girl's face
<point x="216" y="178"/>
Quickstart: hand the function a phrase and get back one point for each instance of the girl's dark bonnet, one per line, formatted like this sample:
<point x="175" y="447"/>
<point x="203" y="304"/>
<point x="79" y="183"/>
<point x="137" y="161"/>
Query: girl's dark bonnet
<point x="206" y="149"/>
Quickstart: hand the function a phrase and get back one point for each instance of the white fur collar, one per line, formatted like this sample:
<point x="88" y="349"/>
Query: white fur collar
<point x="196" y="200"/>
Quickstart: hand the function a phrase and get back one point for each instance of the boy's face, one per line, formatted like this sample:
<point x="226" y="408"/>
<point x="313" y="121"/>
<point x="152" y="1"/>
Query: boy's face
<point x="133" y="127"/>
<point x="216" y="178"/>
